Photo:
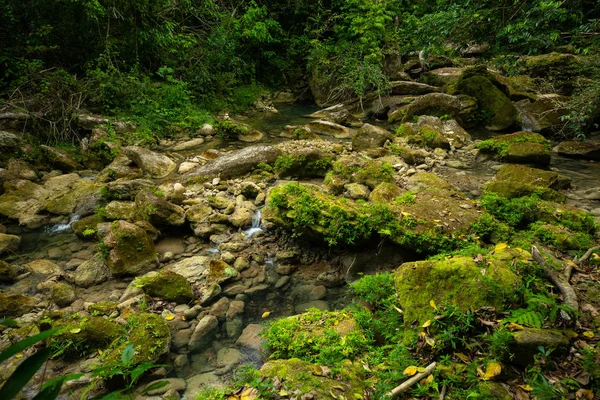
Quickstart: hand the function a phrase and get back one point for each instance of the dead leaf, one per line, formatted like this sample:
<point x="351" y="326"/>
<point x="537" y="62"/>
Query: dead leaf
<point x="266" y="314"/>
<point x="170" y="317"/>
<point x="526" y="388"/>
<point x="432" y="304"/>
<point x="462" y="357"/>
<point x="492" y="370"/>
<point x="583" y="378"/>
<point x="427" y="380"/>
<point x="479" y="258"/>
<point x="584" y="394"/>
<point x="410" y="371"/>
<point x="430" y="341"/>
<point x="500" y="246"/>
<point x="427" y="324"/>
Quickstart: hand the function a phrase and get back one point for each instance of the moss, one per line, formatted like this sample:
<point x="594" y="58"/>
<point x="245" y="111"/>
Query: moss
<point x="562" y="238"/>
<point x="62" y="294"/>
<point x="168" y="286"/>
<point x="410" y="156"/>
<point x="385" y="193"/>
<point x="515" y="189"/>
<point x="311" y="165"/>
<point x="130" y="251"/>
<point x="533" y="176"/>
<point x="15" y="305"/>
<point x="527" y="153"/>
<point x="219" y="271"/>
<point x="433" y="138"/>
<point x="103" y="308"/>
<point x="150" y="336"/>
<point x="79" y="337"/>
<point x="297" y="375"/>
<point x="86" y="224"/>
<point x="499" y="144"/>
<point x="459" y="281"/>
<point x="365" y="171"/>
<point x="317" y="336"/>
<point x="8" y="272"/>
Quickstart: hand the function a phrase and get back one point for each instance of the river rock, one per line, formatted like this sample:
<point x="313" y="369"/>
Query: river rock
<point x="186" y="167"/>
<point x="62" y="294"/>
<point x="385" y="193"/>
<point x="168" y="286"/>
<point x="203" y="333"/>
<point x="125" y="210"/>
<point x="306" y="293"/>
<point x="357" y="191"/>
<point x="241" y="217"/>
<point x="90" y="273"/>
<point x="9" y="140"/>
<point x="586" y="149"/>
<point x="19" y="169"/>
<point x="60" y="159"/>
<point x="189" y="145"/>
<point x="155" y="164"/>
<point x="43" y="267"/>
<point x="236" y="163"/>
<point x="14" y="306"/>
<point x="528" y="340"/>
<point x="193" y="268"/>
<point x="337" y="114"/>
<point x="527" y="153"/>
<point x="8" y="272"/>
<point x="176" y="384"/>
<point x="9" y="243"/>
<point x="130" y="250"/>
<point x="250" y="341"/>
<point x="328" y="128"/>
<point x="370" y="137"/>
<point x="158" y="210"/>
<point x="126" y="189"/>
<point x="436" y="104"/>
<point x="544" y="115"/>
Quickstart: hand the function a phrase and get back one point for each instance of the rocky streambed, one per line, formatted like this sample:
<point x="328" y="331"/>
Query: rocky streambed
<point x="186" y="249"/>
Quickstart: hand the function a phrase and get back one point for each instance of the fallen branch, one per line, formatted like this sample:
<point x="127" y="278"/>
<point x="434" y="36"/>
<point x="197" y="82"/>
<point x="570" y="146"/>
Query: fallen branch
<point x="408" y="383"/>
<point x="443" y="393"/>
<point x="587" y="255"/>
<point x="561" y="281"/>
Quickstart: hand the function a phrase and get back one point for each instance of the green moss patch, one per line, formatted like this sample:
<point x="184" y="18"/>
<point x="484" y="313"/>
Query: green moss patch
<point x="168" y="286"/>
<point x="80" y="337"/>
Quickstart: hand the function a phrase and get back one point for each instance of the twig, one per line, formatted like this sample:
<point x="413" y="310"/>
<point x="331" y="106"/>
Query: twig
<point x="561" y="281"/>
<point x="408" y="383"/>
<point x="587" y="255"/>
<point x="443" y="393"/>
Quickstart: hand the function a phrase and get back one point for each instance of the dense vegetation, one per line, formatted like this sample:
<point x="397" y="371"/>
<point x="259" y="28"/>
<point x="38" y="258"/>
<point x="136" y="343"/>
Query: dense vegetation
<point x="165" y="65"/>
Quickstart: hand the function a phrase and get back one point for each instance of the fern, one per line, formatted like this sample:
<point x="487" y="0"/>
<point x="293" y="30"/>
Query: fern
<point x="523" y="316"/>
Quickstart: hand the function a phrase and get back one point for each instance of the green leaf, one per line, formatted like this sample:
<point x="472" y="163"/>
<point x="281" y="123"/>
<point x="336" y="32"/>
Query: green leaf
<point x="24" y="373"/>
<point x="25" y="343"/>
<point x="128" y="353"/>
<point x="51" y="389"/>
<point x="156" y="385"/>
<point x="8" y="322"/>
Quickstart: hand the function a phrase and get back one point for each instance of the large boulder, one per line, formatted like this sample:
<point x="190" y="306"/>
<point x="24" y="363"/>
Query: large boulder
<point x="460" y="281"/>
<point x="152" y="163"/>
<point x="125" y="189"/>
<point x="156" y="209"/>
<point x="128" y="249"/>
<point x="9" y="140"/>
<point x="370" y="137"/>
<point x="501" y="112"/>
<point x="167" y="285"/>
<point x="328" y="128"/>
<point x="60" y="159"/>
<point x="561" y="70"/>
<point x="90" y="273"/>
<point x="527" y="153"/>
<point x="236" y="163"/>
<point x="586" y="149"/>
<point x="435" y="104"/>
<point x="543" y="115"/>
<point x="513" y="180"/>
<point x="337" y="114"/>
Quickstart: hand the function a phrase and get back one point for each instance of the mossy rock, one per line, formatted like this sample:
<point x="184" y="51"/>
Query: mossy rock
<point x="436" y="104"/>
<point x="497" y="145"/>
<point x="385" y="193"/>
<point x="8" y="272"/>
<point x="353" y="169"/>
<point x="130" y="251"/>
<point x="125" y="210"/>
<point x="304" y="163"/>
<point x="561" y="237"/>
<point x="87" y="227"/>
<point x="154" y="207"/>
<point x="79" y="337"/>
<point x="558" y="68"/>
<point x="299" y="376"/>
<point x="103" y="308"/>
<point x="150" y="336"/>
<point x="316" y="335"/>
<point x="434" y="138"/>
<point x="514" y="189"/>
<point x="459" y="281"/>
<point x="415" y="225"/>
<point x="527" y="153"/>
<point x="500" y="111"/>
<point x="219" y="272"/>
<point x="526" y="343"/>
<point x="14" y="306"/>
<point x="168" y="286"/>
<point x="586" y="149"/>
<point x="63" y="294"/>
<point x="410" y="156"/>
<point x="533" y="176"/>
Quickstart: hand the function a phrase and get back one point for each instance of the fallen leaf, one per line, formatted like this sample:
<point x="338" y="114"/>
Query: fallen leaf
<point x="427" y="324"/>
<point x="410" y="371"/>
<point x="266" y="314"/>
<point x="584" y="394"/>
<point x="170" y="317"/>
<point x="432" y="304"/>
<point x="500" y="246"/>
<point x="75" y="330"/>
<point x="462" y="357"/>
<point x="427" y="380"/>
<point x="399" y="310"/>
<point x="20" y="355"/>
<point x="526" y="388"/>
<point x="514" y="327"/>
<point x="430" y="341"/>
<point x="283" y="393"/>
<point x="588" y="334"/>
<point x="491" y="370"/>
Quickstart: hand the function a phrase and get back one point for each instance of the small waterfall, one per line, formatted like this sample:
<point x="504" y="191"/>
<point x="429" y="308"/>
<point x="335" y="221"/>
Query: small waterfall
<point x="255" y="228"/>
<point x="527" y="124"/>
<point x="60" y="228"/>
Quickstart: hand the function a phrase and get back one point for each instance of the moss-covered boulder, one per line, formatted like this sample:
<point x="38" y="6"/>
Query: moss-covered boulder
<point x="8" y="272"/>
<point x="125" y="189"/>
<point x="352" y="169"/>
<point x="62" y="294"/>
<point x="586" y="149"/>
<point x="116" y="209"/>
<point x="150" y="336"/>
<point x="558" y="68"/>
<point x="414" y="223"/>
<point x="497" y="145"/>
<point x="514" y="180"/>
<point x="304" y="162"/>
<point x="153" y="206"/>
<point x="103" y="308"/>
<point x="561" y="237"/>
<point x="168" y="286"/>
<point x="460" y="281"/>
<point x="79" y="337"/>
<point x="501" y="112"/>
<point x="435" y="104"/>
<point x="299" y="376"/>
<point x="527" y="341"/>
<point x="527" y="153"/>
<point x="433" y="137"/>
<point x="544" y="115"/>
<point x="129" y="250"/>
<point x="385" y="193"/>
<point x="13" y="306"/>
<point x="60" y="159"/>
<point x="219" y="272"/>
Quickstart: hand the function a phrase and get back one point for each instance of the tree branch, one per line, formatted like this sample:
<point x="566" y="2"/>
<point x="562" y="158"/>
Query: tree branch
<point x="408" y="383"/>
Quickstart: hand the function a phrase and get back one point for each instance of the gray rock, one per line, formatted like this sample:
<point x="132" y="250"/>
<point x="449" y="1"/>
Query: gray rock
<point x="189" y="145"/>
<point x="158" y="210"/>
<point x="125" y="189"/>
<point x="197" y="383"/>
<point x="60" y="159"/>
<point x="90" y="273"/>
<point x="157" y="165"/>
<point x="328" y="128"/>
<point x="250" y="342"/>
<point x="203" y="333"/>
<point x="9" y="243"/>
<point x="9" y="140"/>
<point x="306" y="293"/>
<point x="370" y="137"/>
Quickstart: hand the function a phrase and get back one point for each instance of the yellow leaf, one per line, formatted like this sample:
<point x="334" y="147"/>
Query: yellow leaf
<point x="283" y="393"/>
<point x="336" y="322"/>
<point x="310" y="340"/>
<point x="75" y="330"/>
<point x="588" y="334"/>
<point x="266" y="314"/>
<point x="20" y="355"/>
<point x="514" y="327"/>
<point x="462" y="357"/>
<point x="430" y="341"/>
<point x="170" y="317"/>
<point x="399" y="310"/>
<point x="492" y="369"/>
<point x="233" y="398"/>
<point x="432" y="304"/>
<point x="500" y="246"/>
<point x="427" y="380"/>
<point x="99" y="352"/>
<point x="584" y="394"/>
<point x="427" y="324"/>
<point x="526" y="388"/>
<point x="410" y="371"/>
<point x="421" y="369"/>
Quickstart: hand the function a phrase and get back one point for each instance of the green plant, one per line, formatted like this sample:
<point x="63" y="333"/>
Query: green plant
<point x="229" y="130"/>
<point x="88" y="232"/>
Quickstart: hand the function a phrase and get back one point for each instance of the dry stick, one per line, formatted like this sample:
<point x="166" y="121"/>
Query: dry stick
<point x="561" y="281"/>
<point x="587" y="255"/>
<point x="443" y="394"/>
<point x="408" y="383"/>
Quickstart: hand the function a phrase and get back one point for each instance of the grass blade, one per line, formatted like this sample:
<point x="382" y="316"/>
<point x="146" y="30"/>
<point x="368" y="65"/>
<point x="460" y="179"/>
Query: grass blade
<point x="23" y="374"/>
